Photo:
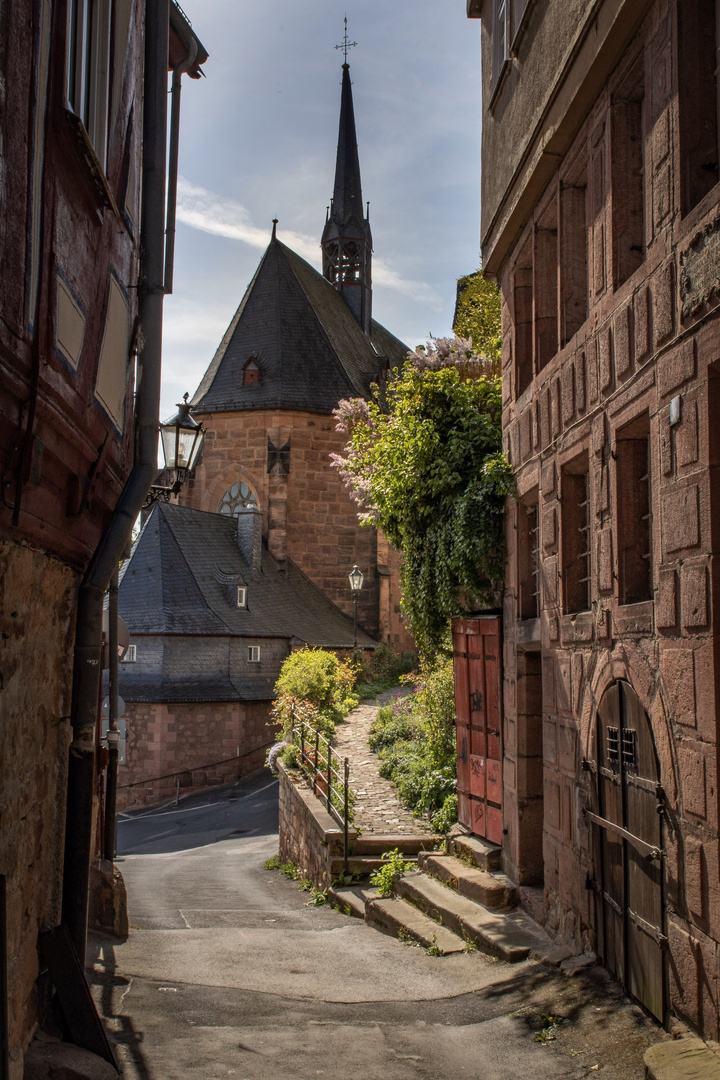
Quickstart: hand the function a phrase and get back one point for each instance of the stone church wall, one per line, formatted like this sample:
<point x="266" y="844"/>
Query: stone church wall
<point x="307" y="513"/>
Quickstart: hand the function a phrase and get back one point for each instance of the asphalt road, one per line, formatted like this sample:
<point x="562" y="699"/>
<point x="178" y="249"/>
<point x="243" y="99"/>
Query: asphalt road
<point x="227" y="973"/>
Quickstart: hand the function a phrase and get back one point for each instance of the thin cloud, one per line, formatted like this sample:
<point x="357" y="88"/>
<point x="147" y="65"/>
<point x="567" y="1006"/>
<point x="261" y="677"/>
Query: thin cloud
<point x="211" y="213"/>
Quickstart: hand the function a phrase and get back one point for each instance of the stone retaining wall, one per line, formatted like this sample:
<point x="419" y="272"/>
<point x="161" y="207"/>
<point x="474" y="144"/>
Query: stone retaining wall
<point x="309" y="836"/>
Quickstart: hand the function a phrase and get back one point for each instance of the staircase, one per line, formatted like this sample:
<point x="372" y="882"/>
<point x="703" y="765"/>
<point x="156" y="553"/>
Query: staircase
<point x="452" y="903"/>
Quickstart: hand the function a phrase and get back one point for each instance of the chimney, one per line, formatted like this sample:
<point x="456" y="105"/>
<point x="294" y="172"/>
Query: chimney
<point x="249" y="536"/>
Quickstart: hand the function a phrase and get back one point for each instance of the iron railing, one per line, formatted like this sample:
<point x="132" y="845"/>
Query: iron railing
<point x="316" y="761"/>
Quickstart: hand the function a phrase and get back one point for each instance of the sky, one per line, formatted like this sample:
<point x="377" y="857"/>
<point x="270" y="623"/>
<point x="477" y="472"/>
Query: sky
<point x="258" y="140"/>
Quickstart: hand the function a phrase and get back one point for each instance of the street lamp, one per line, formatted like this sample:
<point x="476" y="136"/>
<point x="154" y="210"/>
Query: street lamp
<point x="356" y="579"/>
<point x="181" y="438"/>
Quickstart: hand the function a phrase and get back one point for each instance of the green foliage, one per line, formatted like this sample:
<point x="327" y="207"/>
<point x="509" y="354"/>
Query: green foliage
<point x="446" y="816"/>
<point x="273" y="863"/>
<point x="318" y="897"/>
<point x="433" y="948"/>
<point x="382" y="670"/>
<point x="289" y="756"/>
<point x="394" y="864"/>
<point x="415" y="738"/>
<point x="315" y="687"/>
<point x="478" y="313"/>
<point x="427" y="468"/>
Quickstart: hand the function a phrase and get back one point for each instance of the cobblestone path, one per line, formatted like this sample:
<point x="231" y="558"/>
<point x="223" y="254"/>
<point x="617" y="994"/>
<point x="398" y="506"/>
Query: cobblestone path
<point x="377" y="807"/>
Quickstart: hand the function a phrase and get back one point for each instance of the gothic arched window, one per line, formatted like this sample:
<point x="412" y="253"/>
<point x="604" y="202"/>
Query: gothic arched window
<point x="236" y="499"/>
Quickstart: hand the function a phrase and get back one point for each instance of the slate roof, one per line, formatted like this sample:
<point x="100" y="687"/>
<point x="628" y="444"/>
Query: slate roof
<point x="347" y="192"/>
<point x="306" y="341"/>
<point x="180" y="580"/>
<point x="216" y="688"/>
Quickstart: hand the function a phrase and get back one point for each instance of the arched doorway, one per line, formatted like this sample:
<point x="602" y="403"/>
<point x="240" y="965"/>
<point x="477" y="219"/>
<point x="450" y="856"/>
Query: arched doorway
<point x="628" y="851"/>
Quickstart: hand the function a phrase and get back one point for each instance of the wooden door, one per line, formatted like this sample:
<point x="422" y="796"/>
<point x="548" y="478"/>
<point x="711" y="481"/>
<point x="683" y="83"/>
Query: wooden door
<point x="627" y="819"/>
<point x="476" y="651"/>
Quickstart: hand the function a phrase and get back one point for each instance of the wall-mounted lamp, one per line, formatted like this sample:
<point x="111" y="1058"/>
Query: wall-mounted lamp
<point x="181" y="438"/>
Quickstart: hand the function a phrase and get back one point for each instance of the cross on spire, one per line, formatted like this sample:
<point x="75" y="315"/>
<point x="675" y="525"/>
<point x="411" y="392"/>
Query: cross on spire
<point x="346" y="43"/>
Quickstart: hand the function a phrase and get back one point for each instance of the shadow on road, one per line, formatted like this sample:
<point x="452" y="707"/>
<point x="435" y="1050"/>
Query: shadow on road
<point x="101" y="973"/>
<point x="239" y="811"/>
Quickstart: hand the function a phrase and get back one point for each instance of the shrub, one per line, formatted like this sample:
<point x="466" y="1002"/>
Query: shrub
<point x="315" y="687"/>
<point x="415" y="738"/>
<point x="446" y="816"/>
<point x="395" y="864"/>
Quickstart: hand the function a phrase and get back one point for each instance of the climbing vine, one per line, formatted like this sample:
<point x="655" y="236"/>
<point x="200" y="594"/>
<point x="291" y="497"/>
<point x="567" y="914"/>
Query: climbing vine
<point x="424" y="462"/>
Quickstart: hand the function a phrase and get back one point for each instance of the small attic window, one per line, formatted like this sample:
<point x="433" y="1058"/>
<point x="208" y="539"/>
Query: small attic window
<point x="130" y="655"/>
<point x="251" y="372"/>
<point x="253" y="654"/>
<point x="242" y="596"/>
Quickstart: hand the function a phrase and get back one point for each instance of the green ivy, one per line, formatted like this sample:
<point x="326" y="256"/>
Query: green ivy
<point x="427" y="467"/>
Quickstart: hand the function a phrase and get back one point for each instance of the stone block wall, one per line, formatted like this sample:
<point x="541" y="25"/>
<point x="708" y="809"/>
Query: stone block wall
<point x="309" y="836"/>
<point x="37" y="619"/>
<point x="175" y="743"/>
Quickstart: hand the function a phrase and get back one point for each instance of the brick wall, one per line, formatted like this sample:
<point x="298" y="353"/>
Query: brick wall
<point x="183" y="738"/>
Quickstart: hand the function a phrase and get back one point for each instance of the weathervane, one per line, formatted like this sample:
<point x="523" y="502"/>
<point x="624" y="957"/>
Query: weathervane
<point x="345" y="44"/>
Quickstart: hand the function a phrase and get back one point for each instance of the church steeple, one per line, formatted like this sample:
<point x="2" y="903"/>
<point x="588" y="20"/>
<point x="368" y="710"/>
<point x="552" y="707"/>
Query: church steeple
<point x="346" y="239"/>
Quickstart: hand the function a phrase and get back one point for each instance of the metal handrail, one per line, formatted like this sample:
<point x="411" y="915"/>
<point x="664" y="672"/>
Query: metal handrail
<point x="321" y="773"/>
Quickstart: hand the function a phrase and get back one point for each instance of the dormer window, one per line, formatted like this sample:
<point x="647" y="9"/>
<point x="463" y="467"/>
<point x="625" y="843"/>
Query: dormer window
<point x="242" y="596"/>
<point x="251" y="372"/>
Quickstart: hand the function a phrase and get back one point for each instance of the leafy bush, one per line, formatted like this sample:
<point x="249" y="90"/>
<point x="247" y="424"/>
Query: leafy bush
<point x="446" y="816"/>
<point x="415" y="738"/>
<point x="381" y="670"/>
<point x="394" y="723"/>
<point x="425" y="464"/>
<point x="315" y="687"/>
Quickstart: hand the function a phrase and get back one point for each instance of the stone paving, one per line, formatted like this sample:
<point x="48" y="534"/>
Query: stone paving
<point x="377" y="807"/>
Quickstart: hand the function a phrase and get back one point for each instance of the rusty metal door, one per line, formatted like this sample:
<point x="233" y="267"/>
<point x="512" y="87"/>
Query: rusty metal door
<point x="627" y="843"/>
<point x="476" y="650"/>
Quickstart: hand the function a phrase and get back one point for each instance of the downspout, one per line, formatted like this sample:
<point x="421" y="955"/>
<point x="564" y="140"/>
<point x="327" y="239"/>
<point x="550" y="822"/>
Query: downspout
<point x="87" y="660"/>
<point x="112" y="735"/>
<point x="177" y="75"/>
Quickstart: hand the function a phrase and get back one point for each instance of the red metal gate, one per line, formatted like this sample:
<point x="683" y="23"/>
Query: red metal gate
<point x="476" y="651"/>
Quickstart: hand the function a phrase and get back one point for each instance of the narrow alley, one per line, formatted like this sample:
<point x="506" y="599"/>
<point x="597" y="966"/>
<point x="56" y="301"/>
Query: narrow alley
<point x="228" y="973"/>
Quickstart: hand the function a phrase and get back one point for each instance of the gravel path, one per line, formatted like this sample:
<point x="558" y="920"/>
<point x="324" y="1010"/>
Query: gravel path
<point x="377" y="807"/>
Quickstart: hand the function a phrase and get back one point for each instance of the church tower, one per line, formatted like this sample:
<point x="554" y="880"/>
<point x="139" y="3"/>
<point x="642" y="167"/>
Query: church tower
<point x="347" y="240"/>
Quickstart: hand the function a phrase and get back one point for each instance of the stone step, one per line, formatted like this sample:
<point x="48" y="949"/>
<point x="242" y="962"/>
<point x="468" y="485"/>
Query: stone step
<point x="509" y="935"/>
<point x="402" y="920"/>
<point x="359" y="865"/>
<point x="492" y="890"/>
<point x="485" y="855"/>
<point x="376" y="844"/>
<point x="682" y="1059"/>
<point x="351" y="899"/>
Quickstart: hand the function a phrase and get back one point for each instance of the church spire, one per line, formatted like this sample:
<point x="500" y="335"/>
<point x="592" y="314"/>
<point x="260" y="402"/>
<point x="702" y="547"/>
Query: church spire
<point x="346" y="240"/>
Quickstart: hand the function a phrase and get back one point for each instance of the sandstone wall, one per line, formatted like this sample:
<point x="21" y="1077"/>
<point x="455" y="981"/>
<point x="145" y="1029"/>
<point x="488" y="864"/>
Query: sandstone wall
<point x="37" y="616"/>
<point x="173" y="743"/>
<point x="309" y="836"/>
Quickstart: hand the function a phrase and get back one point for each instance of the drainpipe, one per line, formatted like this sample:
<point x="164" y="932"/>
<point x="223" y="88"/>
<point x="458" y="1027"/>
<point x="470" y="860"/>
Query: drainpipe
<point x="87" y="661"/>
<point x="177" y="75"/>
<point x="113" y="736"/>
